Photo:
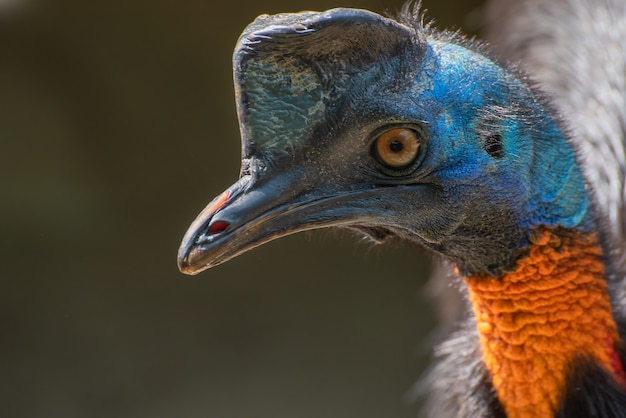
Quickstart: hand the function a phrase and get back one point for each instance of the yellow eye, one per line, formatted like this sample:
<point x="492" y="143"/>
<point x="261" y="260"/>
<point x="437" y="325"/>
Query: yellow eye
<point x="398" y="147"/>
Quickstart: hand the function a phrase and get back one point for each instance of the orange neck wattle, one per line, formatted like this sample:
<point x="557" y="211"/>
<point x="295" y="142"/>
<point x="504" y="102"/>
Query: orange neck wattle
<point x="536" y="321"/>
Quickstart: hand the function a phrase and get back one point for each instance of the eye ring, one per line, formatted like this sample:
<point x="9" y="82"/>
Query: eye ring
<point x="398" y="147"/>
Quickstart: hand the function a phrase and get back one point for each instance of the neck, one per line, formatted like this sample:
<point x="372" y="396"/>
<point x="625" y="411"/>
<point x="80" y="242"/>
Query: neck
<point x="538" y="321"/>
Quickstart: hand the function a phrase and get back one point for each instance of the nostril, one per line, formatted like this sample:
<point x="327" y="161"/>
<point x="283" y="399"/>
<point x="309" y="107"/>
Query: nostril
<point x="217" y="227"/>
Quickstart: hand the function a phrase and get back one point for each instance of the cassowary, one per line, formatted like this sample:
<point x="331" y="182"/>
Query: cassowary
<point x="392" y="128"/>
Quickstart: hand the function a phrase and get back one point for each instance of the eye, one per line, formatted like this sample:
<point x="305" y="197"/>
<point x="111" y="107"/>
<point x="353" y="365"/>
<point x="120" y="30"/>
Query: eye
<point x="398" y="147"/>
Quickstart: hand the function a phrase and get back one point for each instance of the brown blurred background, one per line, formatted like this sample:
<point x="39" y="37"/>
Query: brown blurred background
<point x="117" y="125"/>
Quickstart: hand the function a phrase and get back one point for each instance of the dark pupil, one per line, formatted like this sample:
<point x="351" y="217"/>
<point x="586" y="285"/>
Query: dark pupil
<point x="395" y="146"/>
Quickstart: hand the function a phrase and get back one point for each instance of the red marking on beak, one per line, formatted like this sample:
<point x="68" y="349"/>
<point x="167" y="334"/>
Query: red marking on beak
<point x="218" y="203"/>
<point x="218" y="227"/>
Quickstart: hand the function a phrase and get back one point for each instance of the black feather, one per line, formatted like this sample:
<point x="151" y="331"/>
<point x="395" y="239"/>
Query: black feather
<point x="592" y="393"/>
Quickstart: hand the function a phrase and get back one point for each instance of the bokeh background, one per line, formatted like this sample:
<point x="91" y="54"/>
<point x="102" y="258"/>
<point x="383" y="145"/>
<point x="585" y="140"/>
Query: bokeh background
<point x="117" y="125"/>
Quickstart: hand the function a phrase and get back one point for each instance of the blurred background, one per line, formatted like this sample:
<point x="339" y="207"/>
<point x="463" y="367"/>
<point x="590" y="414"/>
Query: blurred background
<point x="117" y="126"/>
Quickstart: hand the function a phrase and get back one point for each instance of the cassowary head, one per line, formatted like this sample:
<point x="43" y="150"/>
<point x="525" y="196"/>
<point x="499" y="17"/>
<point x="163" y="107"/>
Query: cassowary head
<point x="353" y="120"/>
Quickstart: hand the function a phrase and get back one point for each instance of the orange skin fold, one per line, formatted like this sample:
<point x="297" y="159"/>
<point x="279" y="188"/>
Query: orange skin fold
<point x="535" y="322"/>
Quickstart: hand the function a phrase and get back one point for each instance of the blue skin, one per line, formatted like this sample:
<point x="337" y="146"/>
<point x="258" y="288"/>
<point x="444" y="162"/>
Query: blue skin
<point x="314" y="91"/>
<point x="538" y="162"/>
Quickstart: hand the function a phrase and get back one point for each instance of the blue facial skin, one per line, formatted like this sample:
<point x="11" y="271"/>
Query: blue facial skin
<point x="313" y="92"/>
<point x="538" y="164"/>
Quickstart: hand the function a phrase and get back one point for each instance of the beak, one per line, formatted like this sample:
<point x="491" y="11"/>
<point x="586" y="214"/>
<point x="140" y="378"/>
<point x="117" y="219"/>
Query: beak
<point x="248" y="215"/>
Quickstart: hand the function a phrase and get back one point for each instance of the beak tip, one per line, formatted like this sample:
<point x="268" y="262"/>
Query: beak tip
<point x="192" y="261"/>
<point x="186" y="268"/>
<point x="184" y="265"/>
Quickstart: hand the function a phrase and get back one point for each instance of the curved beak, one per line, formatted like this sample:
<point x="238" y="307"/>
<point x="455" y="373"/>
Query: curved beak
<point x="248" y="214"/>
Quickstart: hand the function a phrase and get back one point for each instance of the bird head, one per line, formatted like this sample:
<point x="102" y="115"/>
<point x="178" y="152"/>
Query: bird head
<point x="349" y="119"/>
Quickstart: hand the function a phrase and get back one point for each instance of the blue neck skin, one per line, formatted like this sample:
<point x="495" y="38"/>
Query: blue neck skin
<point x="539" y="162"/>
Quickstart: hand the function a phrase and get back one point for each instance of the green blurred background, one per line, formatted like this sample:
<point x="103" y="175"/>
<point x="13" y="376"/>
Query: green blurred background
<point x="117" y="125"/>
